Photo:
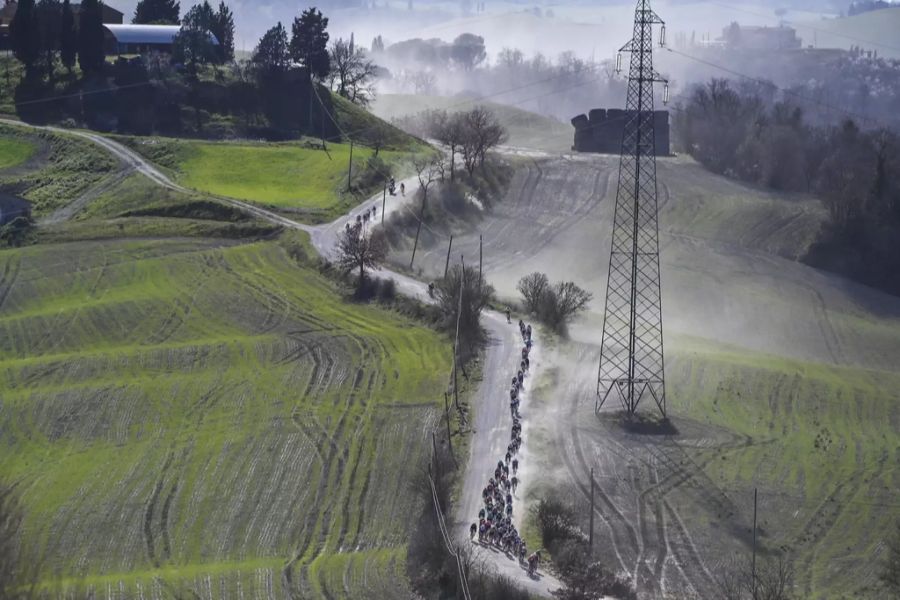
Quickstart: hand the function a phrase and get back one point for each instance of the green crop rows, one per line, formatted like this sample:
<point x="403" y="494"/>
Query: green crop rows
<point x="819" y="442"/>
<point x="208" y="417"/>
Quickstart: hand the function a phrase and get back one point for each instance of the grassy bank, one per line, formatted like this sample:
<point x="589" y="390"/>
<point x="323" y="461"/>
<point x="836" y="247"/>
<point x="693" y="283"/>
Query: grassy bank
<point x="69" y="167"/>
<point x="14" y="151"/>
<point x="300" y="179"/>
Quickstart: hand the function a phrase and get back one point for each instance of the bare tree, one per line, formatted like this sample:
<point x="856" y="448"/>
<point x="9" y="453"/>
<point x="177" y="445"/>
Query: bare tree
<point x="428" y="170"/>
<point x="359" y="249"/>
<point x="773" y="580"/>
<point x="474" y="300"/>
<point x="532" y="287"/>
<point x="450" y="130"/>
<point x="352" y="73"/>
<point x="554" y="305"/>
<point x="482" y="131"/>
<point x="424" y="82"/>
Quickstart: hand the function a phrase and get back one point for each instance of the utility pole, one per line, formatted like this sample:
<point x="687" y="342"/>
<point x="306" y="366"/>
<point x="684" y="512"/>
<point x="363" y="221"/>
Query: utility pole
<point x="462" y="278"/>
<point x="631" y="349"/>
<point x="753" y="564"/>
<point x="350" y="165"/>
<point x="591" y="534"/>
<point x="447" y="415"/>
<point x="383" y="200"/>
<point x="479" y="263"/>
<point x="447" y="262"/>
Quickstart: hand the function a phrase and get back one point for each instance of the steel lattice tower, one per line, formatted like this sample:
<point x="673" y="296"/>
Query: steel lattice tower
<point x="631" y="354"/>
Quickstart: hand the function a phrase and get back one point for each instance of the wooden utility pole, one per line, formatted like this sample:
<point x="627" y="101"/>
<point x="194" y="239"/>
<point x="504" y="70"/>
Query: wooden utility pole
<point x="447" y="415"/>
<point x="479" y="263"/>
<point x="753" y="564"/>
<point x="383" y="200"/>
<point x="350" y="165"/>
<point x="591" y="533"/>
<point x="447" y="262"/>
<point x="434" y="448"/>
<point x="462" y="278"/>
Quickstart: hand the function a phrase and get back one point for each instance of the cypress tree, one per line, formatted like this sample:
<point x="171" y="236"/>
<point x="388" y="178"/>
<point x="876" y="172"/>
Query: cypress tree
<point x="68" y="37"/>
<point x="90" y="37"/>
<point x="24" y="34"/>
<point x="223" y="28"/>
<point x="157" y="12"/>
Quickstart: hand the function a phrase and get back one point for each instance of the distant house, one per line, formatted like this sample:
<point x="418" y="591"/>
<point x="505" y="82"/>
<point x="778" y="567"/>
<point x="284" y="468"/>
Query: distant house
<point x="12" y="207"/>
<point x="140" y="39"/>
<point x="747" y="37"/>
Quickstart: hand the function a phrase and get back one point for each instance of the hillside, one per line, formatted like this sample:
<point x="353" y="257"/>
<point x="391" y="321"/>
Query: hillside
<point x="300" y="179"/>
<point x="780" y="377"/>
<point x="182" y="412"/>
<point x="525" y="129"/>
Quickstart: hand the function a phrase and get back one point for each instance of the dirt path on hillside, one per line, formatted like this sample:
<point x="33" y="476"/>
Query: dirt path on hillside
<point x="492" y="423"/>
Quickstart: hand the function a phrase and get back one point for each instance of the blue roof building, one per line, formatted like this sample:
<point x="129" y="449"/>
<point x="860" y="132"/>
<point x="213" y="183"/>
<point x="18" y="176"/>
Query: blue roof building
<point x="139" y="39"/>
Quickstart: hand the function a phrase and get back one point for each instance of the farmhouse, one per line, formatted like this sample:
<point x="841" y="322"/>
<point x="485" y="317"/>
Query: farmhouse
<point x="140" y="39"/>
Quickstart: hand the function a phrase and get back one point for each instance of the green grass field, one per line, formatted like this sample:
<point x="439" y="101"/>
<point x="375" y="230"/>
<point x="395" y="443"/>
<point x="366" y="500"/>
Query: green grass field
<point x="205" y="417"/>
<point x="15" y="151"/>
<point x="293" y="177"/>
<point x="820" y="444"/>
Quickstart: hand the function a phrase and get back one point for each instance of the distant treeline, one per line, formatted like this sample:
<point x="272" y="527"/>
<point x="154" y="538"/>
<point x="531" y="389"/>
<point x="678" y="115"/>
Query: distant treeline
<point x="737" y="131"/>
<point x="560" y="87"/>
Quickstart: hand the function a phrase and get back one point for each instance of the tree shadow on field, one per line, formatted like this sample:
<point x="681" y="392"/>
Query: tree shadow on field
<point x="641" y="423"/>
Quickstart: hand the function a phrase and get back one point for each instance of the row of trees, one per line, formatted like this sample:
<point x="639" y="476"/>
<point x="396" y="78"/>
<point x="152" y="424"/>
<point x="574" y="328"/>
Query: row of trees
<point x="38" y="32"/>
<point x="743" y="131"/>
<point x="434" y="66"/>
<point x="469" y="135"/>
<point x="343" y="64"/>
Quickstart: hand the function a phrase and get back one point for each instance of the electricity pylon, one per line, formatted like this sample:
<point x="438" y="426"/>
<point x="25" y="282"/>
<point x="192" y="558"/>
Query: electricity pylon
<point x="631" y="353"/>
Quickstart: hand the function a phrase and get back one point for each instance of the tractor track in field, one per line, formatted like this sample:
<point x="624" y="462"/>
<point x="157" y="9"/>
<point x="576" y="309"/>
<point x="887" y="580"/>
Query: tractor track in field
<point x="9" y="276"/>
<point x="333" y="466"/>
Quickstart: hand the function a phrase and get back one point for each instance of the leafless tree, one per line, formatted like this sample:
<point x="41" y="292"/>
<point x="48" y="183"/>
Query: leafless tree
<point x="428" y="171"/>
<point x="352" y="73"/>
<point x="773" y="580"/>
<point x="450" y="130"/>
<point x="474" y="300"/>
<point x="359" y="249"/>
<point x="554" y="305"/>
<point x="482" y="132"/>
<point x="532" y="288"/>
<point x="424" y="82"/>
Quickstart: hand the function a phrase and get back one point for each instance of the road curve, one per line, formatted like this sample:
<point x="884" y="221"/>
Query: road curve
<point x="492" y="423"/>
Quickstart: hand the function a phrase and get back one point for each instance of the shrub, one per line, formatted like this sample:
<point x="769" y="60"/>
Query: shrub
<point x="554" y="305"/>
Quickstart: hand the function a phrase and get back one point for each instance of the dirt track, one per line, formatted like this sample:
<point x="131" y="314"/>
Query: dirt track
<point x="730" y="279"/>
<point x="730" y="276"/>
<point x="491" y="428"/>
